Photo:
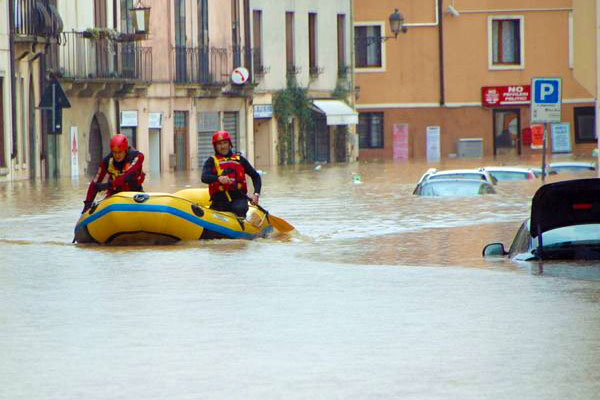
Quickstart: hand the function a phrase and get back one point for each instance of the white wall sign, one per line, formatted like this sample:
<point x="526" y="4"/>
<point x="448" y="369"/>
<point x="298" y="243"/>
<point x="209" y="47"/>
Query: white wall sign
<point x="561" y="137"/>
<point x="263" y="111"/>
<point x="433" y="143"/>
<point x="74" y="152"/>
<point x="546" y="99"/>
<point x="129" y="118"/>
<point x="154" y="120"/>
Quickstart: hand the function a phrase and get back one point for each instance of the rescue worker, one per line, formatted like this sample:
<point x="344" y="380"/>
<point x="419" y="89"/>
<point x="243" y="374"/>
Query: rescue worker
<point x="124" y="168"/>
<point x="225" y="174"/>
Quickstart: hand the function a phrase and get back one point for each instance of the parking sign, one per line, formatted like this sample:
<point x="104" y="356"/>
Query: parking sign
<point x="546" y="100"/>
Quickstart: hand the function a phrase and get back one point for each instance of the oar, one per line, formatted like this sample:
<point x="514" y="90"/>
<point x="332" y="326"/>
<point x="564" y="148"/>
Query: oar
<point x="278" y="223"/>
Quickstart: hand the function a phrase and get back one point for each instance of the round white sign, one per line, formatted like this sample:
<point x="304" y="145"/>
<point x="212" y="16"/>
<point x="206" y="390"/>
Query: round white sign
<point x="240" y="75"/>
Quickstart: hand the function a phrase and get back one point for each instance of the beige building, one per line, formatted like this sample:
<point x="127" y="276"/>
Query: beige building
<point x="308" y="42"/>
<point x="457" y="82"/>
<point x="25" y="43"/>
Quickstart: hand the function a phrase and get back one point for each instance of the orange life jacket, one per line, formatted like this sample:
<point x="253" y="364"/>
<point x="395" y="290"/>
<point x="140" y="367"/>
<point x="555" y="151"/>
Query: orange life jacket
<point x="231" y="167"/>
<point x="115" y="172"/>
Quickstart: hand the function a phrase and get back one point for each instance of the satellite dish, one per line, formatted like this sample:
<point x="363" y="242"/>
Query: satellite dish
<point x="240" y="75"/>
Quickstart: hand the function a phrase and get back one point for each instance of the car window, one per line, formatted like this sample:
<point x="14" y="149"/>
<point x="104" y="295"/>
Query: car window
<point x="520" y="243"/>
<point x="576" y="234"/>
<point x="572" y="168"/>
<point x="509" y="175"/>
<point x="452" y="188"/>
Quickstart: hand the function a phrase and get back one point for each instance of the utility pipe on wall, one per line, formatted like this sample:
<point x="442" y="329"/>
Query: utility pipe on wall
<point x="12" y="80"/>
<point x="597" y="122"/>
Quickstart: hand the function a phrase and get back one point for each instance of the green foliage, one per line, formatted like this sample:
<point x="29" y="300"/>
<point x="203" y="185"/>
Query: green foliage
<point x="292" y="102"/>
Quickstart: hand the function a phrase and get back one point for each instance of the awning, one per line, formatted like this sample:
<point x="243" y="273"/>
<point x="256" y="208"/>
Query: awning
<point x="337" y="112"/>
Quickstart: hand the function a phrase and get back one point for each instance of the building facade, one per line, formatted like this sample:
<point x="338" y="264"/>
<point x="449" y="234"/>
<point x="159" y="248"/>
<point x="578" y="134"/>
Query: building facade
<point x="457" y="82"/>
<point x="307" y="43"/>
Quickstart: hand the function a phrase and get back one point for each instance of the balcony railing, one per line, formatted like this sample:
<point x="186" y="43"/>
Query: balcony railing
<point x="104" y="59"/>
<point x="207" y="66"/>
<point x="36" y="18"/>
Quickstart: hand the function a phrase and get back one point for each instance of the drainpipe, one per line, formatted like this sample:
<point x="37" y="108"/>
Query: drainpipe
<point x="13" y="91"/>
<point x="441" y="51"/>
<point x="598" y="83"/>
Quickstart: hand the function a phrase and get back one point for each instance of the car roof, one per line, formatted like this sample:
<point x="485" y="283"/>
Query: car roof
<point x="573" y="164"/>
<point x="459" y="171"/>
<point x="507" y="169"/>
<point x="565" y="203"/>
<point x="437" y="181"/>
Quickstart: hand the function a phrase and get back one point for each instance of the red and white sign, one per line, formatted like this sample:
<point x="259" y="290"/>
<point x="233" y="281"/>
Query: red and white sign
<point x="495" y="96"/>
<point x="400" y="141"/>
<point x="240" y="75"/>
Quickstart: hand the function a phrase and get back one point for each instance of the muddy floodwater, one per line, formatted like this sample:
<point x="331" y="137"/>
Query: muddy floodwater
<point x="380" y="294"/>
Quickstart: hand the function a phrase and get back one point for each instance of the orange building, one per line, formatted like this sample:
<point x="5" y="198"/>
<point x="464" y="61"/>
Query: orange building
<point x="457" y="81"/>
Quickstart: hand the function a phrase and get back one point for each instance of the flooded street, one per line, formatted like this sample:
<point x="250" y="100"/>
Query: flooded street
<point x="380" y="294"/>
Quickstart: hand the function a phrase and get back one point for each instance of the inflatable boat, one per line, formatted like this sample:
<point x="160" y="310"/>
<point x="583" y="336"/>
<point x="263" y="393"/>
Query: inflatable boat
<point x="163" y="218"/>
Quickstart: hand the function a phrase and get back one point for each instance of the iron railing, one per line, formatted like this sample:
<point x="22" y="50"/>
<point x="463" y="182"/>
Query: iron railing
<point x="208" y="66"/>
<point x="104" y="59"/>
<point x="36" y="18"/>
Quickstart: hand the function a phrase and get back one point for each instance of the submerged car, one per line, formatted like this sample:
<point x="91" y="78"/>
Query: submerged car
<point x="572" y="166"/>
<point x="477" y="174"/>
<point x="564" y="225"/>
<point x="453" y="187"/>
<point x="510" y="173"/>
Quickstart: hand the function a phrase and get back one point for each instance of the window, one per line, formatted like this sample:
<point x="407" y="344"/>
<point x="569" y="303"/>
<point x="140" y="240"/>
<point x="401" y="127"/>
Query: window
<point x="341" y="45"/>
<point x="506" y="42"/>
<point x="126" y="22"/>
<point x="100" y="13"/>
<point x="257" y="40"/>
<point x="370" y="130"/>
<point x="235" y="33"/>
<point x="289" y="42"/>
<point x="585" y="125"/>
<point x="312" y="44"/>
<point x="368" y="46"/>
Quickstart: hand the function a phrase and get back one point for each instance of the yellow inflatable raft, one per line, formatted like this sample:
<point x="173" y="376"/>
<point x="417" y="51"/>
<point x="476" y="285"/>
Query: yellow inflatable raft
<point x="157" y="218"/>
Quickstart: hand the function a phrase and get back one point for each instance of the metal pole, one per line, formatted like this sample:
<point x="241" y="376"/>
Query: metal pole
<point x="544" y="153"/>
<point x="53" y="130"/>
<point x="12" y="80"/>
<point x="597" y="47"/>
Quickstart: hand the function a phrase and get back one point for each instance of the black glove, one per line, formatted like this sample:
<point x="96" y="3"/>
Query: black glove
<point x="87" y="205"/>
<point x="102" y="186"/>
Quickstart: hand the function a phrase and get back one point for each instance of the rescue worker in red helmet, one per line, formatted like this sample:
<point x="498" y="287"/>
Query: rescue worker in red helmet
<point x="124" y="168"/>
<point x="225" y="173"/>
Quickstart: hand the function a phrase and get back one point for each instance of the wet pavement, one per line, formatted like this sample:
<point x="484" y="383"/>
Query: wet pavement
<point x="380" y="294"/>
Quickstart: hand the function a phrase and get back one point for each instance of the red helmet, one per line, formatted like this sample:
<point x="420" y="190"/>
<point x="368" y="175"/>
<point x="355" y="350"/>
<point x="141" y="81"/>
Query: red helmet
<point x="119" y="143"/>
<point x="219" y="136"/>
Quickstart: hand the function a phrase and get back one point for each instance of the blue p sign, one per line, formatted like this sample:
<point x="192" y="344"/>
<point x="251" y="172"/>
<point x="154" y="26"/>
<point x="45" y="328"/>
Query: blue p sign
<point x="546" y="91"/>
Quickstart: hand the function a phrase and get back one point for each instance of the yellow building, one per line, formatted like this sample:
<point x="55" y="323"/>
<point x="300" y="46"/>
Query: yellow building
<point x="457" y="81"/>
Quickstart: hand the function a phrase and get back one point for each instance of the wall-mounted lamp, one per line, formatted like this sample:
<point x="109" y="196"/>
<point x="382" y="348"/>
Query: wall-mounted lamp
<point x="396" y="20"/>
<point x="140" y="16"/>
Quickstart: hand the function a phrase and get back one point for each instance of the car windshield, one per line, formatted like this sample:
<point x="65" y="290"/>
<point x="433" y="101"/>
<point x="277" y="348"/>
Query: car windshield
<point x="455" y="188"/>
<point x="571" y="235"/>
<point x="461" y="175"/>
<point x="509" y="175"/>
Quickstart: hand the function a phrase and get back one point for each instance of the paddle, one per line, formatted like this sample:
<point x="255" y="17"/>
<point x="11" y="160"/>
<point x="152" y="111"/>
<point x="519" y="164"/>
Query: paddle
<point x="279" y="224"/>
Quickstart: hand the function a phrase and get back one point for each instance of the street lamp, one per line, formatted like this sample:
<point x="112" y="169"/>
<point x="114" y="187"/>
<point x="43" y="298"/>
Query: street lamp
<point x="397" y="23"/>
<point x="140" y="16"/>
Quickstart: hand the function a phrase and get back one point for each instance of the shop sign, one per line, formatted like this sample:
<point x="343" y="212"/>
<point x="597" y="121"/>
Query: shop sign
<point x="495" y="96"/>
<point x="129" y="118"/>
<point x="561" y="137"/>
<point x="155" y="120"/>
<point x="263" y="111"/>
<point x="537" y="137"/>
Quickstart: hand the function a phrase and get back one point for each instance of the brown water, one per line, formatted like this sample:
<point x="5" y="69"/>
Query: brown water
<point x="381" y="294"/>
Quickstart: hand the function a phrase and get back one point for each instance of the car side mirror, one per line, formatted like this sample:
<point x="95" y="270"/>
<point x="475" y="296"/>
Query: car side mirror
<point x="494" y="250"/>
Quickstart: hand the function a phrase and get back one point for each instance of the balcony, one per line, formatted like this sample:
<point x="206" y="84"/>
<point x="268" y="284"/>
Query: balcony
<point x="103" y="66"/>
<point x="36" y="20"/>
<point x="207" y="67"/>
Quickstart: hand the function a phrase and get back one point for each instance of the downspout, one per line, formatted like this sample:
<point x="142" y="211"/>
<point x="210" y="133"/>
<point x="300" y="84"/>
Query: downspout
<point x="13" y="82"/>
<point x="355" y="140"/>
<point x="598" y="83"/>
<point x="441" y="51"/>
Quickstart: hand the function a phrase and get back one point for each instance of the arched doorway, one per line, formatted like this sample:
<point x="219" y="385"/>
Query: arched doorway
<point x="94" y="147"/>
